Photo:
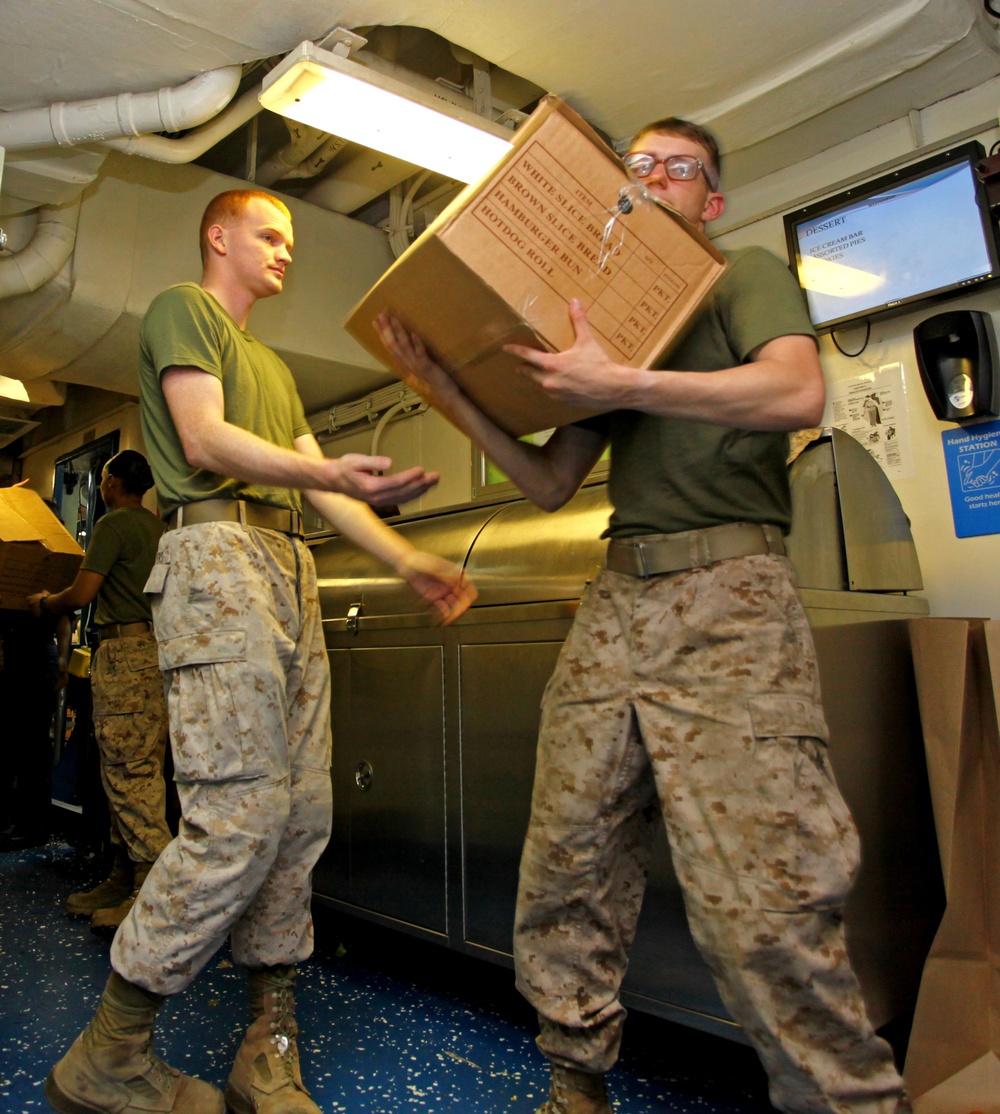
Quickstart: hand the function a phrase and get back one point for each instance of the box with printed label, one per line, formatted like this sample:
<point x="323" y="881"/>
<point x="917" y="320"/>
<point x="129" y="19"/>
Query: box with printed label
<point x="558" y="217"/>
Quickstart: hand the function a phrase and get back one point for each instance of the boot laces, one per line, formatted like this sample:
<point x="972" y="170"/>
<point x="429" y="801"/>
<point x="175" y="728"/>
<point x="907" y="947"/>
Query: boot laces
<point x="158" y="1070"/>
<point x="283" y="1031"/>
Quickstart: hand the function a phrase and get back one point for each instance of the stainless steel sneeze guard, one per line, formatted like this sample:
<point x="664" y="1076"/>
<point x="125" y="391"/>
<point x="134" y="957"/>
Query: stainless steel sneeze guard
<point x="435" y="729"/>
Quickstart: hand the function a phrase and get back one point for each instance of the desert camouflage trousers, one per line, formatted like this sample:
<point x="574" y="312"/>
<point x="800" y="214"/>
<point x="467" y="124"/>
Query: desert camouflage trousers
<point x="696" y="696"/>
<point x="237" y="620"/>
<point x="130" y="724"/>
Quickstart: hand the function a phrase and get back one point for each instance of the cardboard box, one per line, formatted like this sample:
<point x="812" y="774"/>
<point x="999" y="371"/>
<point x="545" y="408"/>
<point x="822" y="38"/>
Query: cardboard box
<point x="36" y="550"/>
<point x="501" y="263"/>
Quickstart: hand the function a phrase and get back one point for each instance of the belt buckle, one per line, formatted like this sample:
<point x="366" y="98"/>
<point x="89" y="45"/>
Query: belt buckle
<point x="640" y="549"/>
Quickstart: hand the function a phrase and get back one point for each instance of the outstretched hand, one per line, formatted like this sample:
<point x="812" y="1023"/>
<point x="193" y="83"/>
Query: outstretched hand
<point x="357" y="475"/>
<point x="581" y="375"/>
<point x="440" y="583"/>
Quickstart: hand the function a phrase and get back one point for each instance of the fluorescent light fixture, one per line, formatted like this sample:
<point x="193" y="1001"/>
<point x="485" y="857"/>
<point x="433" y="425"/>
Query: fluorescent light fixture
<point x="13" y="389"/>
<point x="337" y="95"/>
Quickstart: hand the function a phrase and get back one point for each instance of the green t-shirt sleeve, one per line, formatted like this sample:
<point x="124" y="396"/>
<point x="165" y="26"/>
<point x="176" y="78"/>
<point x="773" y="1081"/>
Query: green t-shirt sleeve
<point x="181" y="331"/>
<point x="759" y="300"/>
<point x="103" y="549"/>
<point x="299" y="424"/>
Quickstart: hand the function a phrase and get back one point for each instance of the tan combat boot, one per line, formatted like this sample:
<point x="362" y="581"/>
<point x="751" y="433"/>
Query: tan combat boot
<point x="105" y="921"/>
<point x="111" y="1068"/>
<point x="115" y="888"/>
<point x="265" y="1078"/>
<point x="575" y="1092"/>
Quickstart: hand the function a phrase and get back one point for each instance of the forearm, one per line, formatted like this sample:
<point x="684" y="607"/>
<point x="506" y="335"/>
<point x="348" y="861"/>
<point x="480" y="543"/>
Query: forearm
<point x="210" y="442"/>
<point x="439" y="582"/>
<point x="228" y="450"/>
<point x="357" y="521"/>
<point x="197" y="408"/>
<point x="779" y="386"/>
<point x="81" y="592"/>
<point x="64" y="632"/>
<point x="64" y="635"/>
<point x="549" y="475"/>
<point x="64" y="602"/>
<point x="761" y="395"/>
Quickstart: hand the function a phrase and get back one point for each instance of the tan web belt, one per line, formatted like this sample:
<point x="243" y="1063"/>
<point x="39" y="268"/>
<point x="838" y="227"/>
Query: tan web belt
<point x="282" y="519"/>
<point x="692" y="549"/>
<point x="123" y="630"/>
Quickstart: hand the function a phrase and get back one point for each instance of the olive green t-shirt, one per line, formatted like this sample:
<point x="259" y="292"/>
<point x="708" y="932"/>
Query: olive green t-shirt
<point x="670" y="474"/>
<point x="186" y="327"/>
<point x="123" y="550"/>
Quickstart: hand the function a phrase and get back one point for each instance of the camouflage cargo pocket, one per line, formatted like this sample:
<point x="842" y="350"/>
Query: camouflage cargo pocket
<point x="806" y="845"/>
<point x="213" y="720"/>
<point x="118" y="683"/>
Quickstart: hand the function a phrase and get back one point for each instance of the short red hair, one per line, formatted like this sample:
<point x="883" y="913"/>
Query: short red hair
<point x="674" y="125"/>
<point x="228" y="206"/>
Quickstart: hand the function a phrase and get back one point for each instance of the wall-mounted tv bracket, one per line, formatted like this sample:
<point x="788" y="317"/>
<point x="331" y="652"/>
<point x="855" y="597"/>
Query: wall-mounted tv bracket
<point x="988" y="172"/>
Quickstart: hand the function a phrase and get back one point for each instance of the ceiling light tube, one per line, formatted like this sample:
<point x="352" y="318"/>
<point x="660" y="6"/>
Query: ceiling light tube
<point x="343" y="97"/>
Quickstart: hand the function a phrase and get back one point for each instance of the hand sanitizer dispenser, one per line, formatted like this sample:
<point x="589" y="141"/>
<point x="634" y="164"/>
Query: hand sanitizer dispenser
<point x="957" y="357"/>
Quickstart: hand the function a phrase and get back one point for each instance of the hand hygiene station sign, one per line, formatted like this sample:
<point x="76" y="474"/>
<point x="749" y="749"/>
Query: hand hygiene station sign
<point x="972" y="457"/>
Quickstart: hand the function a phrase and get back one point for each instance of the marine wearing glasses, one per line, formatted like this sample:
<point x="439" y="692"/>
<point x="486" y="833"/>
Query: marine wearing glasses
<point x="681" y="168"/>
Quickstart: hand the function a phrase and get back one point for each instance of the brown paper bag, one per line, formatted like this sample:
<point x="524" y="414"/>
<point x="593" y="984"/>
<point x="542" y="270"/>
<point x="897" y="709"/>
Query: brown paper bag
<point x="953" y="1060"/>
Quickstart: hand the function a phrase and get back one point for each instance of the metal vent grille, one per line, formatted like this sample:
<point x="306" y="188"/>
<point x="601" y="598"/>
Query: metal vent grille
<point x="13" y="428"/>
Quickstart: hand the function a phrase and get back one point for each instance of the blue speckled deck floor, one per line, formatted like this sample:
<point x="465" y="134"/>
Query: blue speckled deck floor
<point x="390" y="1024"/>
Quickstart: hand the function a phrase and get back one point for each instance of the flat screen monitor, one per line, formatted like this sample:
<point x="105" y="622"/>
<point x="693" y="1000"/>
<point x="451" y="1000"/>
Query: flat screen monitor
<point x="921" y="233"/>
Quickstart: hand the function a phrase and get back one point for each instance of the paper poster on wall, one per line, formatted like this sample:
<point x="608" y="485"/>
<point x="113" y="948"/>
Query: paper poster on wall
<point x="872" y="409"/>
<point x="972" y="457"/>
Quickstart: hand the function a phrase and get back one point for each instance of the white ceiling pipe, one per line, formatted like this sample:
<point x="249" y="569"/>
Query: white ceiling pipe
<point x="187" y="148"/>
<point x="169" y="109"/>
<point x="45" y="255"/>
<point x="284" y="163"/>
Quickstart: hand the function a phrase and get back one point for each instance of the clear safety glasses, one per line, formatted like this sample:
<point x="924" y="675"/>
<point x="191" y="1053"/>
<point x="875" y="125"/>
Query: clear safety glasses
<point x="681" y="168"/>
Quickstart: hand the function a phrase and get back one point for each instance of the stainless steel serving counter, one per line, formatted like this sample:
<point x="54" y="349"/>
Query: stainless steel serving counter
<point x="434" y="729"/>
